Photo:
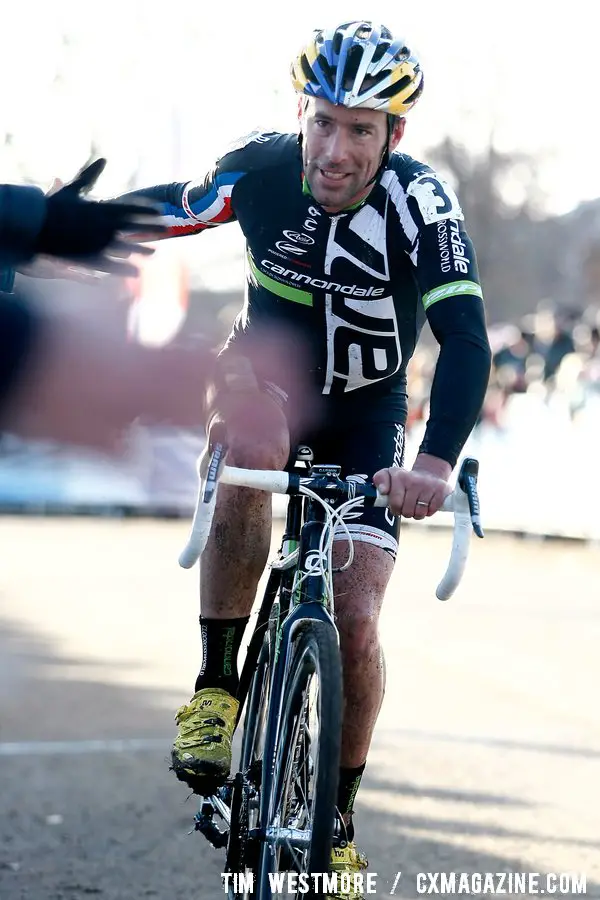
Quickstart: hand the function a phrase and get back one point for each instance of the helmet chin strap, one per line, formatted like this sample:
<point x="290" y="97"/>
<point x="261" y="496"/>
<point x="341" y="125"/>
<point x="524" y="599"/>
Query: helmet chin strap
<point x="385" y="153"/>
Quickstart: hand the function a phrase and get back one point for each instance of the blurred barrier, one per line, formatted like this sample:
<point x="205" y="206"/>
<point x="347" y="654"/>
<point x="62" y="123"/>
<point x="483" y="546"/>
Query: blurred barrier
<point x="538" y="473"/>
<point x="155" y="476"/>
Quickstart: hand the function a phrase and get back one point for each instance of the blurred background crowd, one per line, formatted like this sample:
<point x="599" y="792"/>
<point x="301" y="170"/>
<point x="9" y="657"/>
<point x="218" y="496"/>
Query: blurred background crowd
<point x="550" y="357"/>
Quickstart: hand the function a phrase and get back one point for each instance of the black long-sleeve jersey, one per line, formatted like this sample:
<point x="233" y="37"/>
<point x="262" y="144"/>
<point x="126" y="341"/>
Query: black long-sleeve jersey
<point x="358" y="284"/>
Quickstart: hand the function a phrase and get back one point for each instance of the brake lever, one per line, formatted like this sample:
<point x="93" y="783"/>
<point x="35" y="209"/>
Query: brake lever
<point x="216" y="451"/>
<point x="467" y="481"/>
<point x="215" y="467"/>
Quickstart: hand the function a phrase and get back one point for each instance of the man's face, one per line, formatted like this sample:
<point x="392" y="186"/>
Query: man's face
<point x="341" y="150"/>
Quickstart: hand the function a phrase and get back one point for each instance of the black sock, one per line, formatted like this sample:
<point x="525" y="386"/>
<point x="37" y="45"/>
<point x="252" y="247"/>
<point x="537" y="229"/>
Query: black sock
<point x="348" y="786"/>
<point x="221" y="640"/>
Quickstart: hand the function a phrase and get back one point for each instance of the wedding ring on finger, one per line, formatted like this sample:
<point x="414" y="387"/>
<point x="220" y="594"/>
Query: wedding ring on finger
<point x="422" y="503"/>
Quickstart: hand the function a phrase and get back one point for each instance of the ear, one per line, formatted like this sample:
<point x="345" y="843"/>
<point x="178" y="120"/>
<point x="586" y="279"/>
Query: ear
<point x="397" y="133"/>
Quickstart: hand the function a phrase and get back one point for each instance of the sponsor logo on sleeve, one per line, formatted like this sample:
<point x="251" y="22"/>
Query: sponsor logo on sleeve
<point x="254" y="137"/>
<point x="452" y="249"/>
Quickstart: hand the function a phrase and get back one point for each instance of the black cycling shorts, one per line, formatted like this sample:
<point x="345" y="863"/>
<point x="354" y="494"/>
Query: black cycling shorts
<point x="361" y="451"/>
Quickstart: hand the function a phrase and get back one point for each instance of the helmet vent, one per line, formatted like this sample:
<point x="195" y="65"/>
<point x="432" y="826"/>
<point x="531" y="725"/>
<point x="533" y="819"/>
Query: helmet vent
<point x="351" y="67"/>
<point x="395" y="88"/>
<point x="308" y="72"/>
<point x="327" y="71"/>
<point x="402" y="55"/>
<point x="379" y="51"/>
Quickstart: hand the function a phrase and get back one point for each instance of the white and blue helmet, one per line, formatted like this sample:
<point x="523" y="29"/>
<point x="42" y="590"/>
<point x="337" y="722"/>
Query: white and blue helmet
<point x="359" y="64"/>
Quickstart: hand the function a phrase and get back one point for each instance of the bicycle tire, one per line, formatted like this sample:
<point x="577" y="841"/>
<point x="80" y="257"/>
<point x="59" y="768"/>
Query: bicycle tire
<point x="315" y="655"/>
<point x="239" y="858"/>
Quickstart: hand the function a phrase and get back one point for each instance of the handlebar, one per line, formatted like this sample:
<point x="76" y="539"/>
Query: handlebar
<point x="463" y="502"/>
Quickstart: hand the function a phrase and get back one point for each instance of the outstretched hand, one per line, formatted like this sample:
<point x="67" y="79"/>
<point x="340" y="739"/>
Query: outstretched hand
<point x="95" y="234"/>
<point x="83" y="182"/>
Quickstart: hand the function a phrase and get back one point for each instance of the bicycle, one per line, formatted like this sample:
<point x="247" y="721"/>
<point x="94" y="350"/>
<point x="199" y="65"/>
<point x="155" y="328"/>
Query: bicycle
<point x="279" y="809"/>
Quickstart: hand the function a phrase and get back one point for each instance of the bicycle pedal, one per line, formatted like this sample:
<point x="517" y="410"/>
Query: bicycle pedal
<point x="203" y="822"/>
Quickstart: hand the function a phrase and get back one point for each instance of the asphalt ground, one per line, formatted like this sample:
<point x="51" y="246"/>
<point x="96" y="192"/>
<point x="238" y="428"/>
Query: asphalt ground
<point x="486" y="757"/>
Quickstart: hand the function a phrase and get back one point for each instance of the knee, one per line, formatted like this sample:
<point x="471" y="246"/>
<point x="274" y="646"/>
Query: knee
<point x="359" y="631"/>
<point x="270" y="452"/>
<point x="258" y="435"/>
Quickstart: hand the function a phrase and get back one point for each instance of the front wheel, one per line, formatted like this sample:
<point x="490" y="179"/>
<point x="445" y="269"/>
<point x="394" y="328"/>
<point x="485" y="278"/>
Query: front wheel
<point x="241" y="853"/>
<point x="298" y="833"/>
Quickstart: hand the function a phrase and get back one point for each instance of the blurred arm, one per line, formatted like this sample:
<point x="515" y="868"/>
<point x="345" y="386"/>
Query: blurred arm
<point x="19" y="325"/>
<point x="65" y="224"/>
<point x="22" y="215"/>
<point x="77" y="380"/>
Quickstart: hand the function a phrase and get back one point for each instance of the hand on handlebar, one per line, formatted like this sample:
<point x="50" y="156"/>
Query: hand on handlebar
<point x="416" y="493"/>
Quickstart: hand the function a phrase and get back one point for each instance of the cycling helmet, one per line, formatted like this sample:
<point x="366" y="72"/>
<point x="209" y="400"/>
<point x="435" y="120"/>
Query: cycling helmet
<point x="359" y="64"/>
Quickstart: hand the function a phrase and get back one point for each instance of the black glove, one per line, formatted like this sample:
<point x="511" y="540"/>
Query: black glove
<point x="82" y="230"/>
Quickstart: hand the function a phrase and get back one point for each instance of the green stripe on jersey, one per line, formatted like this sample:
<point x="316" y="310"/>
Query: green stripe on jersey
<point x="451" y="290"/>
<point x="276" y="287"/>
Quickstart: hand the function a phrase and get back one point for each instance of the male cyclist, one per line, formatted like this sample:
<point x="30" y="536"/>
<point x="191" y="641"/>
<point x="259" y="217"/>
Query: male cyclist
<point x="352" y="245"/>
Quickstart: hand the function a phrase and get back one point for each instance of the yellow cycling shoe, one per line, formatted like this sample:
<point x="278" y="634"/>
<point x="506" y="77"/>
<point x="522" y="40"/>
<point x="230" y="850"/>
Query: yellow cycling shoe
<point x="201" y="752"/>
<point x="348" y="860"/>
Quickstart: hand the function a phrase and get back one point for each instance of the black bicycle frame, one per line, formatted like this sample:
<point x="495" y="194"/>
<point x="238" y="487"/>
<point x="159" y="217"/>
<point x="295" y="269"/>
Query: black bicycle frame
<point x="308" y="605"/>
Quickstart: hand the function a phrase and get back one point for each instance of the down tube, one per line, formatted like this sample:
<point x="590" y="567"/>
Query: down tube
<point x="311" y="606"/>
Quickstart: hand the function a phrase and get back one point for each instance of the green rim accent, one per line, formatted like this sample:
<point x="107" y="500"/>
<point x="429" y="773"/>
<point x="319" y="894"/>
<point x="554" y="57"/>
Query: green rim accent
<point x="357" y="204"/>
<point x="451" y="290"/>
<point x="276" y="287"/>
